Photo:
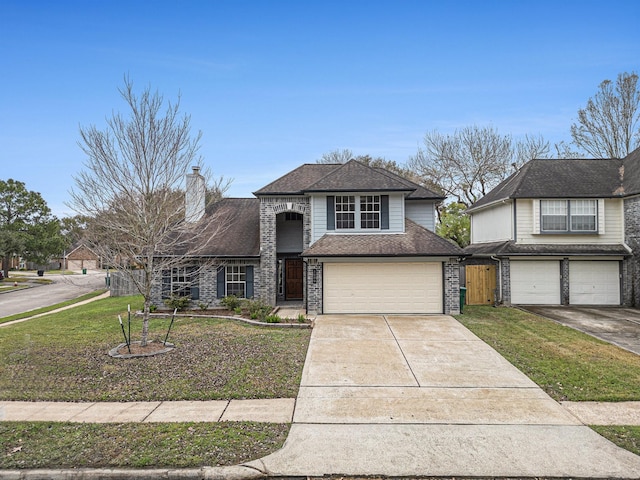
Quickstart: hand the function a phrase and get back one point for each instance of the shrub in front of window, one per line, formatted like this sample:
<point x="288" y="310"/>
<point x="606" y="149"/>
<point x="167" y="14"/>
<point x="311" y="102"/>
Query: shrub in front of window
<point x="177" y="301"/>
<point x="230" y="302"/>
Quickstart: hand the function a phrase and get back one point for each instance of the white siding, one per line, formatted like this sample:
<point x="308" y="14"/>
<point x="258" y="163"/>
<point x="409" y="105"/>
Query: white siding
<point x="319" y="215"/>
<point x="611" y="232"/>
<point x="422" y="212"/>
<point x="492" y="224"/>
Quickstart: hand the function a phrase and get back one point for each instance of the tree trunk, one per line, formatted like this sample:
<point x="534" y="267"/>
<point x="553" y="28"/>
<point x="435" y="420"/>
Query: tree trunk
<point x="145" y="323"/>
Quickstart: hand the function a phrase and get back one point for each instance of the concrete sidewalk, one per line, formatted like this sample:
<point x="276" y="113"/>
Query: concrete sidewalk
<point x="279" y="410"/>
<point x="423" y="396"/>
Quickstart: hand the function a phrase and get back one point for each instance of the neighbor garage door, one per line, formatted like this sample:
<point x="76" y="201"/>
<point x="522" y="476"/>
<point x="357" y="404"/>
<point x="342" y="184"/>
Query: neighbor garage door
<point x="382" y="287"/>
<point x="594" y="283"/>
<point x="535" y="282"/>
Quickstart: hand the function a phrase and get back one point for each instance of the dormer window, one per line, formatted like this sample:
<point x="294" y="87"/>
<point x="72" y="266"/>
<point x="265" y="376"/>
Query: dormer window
<point x="568" y="216"/>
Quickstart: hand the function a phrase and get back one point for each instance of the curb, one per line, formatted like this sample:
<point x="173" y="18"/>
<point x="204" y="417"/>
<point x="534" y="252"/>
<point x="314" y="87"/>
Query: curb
<point x="235" y="472"/>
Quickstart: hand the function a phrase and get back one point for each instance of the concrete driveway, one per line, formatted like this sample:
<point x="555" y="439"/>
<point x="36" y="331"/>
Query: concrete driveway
<point x="616" y="325"/>
<point x="423" y="396"/>
<point x="64" y="287"/>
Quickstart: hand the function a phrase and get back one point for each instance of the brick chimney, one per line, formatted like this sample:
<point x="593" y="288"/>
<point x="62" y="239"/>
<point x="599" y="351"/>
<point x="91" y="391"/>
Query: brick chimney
<point x="195" y="196"/>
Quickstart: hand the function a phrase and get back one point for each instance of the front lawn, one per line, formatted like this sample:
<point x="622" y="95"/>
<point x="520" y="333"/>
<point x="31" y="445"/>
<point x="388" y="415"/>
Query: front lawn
<point x="567" y="364"/>
<point x="64" y="357"/>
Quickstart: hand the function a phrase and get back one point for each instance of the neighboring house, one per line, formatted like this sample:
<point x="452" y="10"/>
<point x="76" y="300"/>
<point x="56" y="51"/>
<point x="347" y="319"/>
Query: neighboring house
<point x="82" y="257"/>
<point x="560" y="232"/>
<point x="345" y="238"/>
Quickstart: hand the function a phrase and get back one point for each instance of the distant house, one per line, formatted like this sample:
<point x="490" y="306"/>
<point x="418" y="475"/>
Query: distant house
<point x="82" y="257"/>
<point x="341" y="238"/>
<point x="560" y="232"/>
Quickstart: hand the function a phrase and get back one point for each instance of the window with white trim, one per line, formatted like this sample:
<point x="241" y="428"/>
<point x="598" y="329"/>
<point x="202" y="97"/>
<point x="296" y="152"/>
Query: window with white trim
<point x="236" y="280"/>
<point x="370" y="211"/>
<point x="345" y="211"/>
<point x="568" y="216"/>
<point x="180" y="282"/>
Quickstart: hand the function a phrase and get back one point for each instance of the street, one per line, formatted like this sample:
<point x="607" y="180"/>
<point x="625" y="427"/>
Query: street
<point x="64" y="287"/>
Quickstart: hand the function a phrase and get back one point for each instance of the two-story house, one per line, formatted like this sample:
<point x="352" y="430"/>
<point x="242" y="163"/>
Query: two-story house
<point x="561" y="232"/>
<point x="338" y="238"/>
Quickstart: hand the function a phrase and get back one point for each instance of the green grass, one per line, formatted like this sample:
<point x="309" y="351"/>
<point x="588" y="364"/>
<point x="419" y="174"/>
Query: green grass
<point x="63" y="357"/>
<point x="38" y="311"/>
<point x="627" y="437"/>
<point x="567" y="364"/>
<point x="135" y="445"/>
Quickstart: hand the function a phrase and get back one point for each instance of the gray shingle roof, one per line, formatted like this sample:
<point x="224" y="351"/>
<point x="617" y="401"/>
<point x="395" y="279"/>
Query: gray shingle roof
<point x="416" y="241"/>
<point x="570" y="178"/>
<point x="352" y="176"/>
<point x="296" y="181"/>
<point x="239" y="223"/>
<point x="517" y="249"/>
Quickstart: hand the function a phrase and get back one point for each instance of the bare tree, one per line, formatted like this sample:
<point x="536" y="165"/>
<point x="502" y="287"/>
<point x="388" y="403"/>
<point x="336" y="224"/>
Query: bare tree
<point x="132" y="192"/>
<point x="608" y="126"/>
<point x="470" y="162"/>
<point x="336" y="156"/>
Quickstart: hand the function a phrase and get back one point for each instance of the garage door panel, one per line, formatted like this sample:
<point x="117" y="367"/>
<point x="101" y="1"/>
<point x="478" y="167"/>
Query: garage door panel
<point x="382" y="287"/>
<point x="535" y="282"/>
<point x="594" y="283"/>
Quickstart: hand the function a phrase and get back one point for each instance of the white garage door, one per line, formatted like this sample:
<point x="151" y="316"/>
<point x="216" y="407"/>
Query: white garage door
<point x="594" y="283"/>
<point x="535" y="282"/>
<point x="382" y="287"/>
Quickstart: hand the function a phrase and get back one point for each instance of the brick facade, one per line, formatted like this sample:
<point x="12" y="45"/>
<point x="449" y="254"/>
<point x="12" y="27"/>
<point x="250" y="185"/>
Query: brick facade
<point x="631" y="266"/>
<point x="451" y="271"/>
<point x="269" y="208"/>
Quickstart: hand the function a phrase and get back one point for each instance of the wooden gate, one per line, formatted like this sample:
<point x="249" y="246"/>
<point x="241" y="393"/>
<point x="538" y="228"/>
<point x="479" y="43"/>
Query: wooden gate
<point x="481" y="284"/>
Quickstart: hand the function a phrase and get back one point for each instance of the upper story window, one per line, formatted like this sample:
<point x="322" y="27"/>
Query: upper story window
<point x="345" y="211"/>
<point x="370" y="211"/>
<point x="358" y="212"/>
<point x="568" y="216"/>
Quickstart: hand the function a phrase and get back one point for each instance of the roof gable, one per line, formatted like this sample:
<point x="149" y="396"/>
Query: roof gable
<point x="355" y="176"/>
<point x="565" y="178"/>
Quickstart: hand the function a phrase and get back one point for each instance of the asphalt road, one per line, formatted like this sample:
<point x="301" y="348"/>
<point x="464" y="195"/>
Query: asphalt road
<point x="64" y="287"/>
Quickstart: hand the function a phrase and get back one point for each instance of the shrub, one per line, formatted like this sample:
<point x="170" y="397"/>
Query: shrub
<point x="175" y="301"/>
<point x="203" y="306"/>
<point x="237" y="311"/>
<point x="301" y="318"/>
<point x="231" y="302"/>
<point x="258" y="309"/>
<point x="272" y="319"/>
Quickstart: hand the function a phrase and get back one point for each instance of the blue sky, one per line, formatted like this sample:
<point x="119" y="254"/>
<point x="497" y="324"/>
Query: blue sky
<point x="274" y="84"/>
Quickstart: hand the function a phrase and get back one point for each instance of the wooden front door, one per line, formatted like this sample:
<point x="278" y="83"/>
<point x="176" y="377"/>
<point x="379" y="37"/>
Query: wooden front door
<point x="481" y="284"/>
<point x="293" y="273"/>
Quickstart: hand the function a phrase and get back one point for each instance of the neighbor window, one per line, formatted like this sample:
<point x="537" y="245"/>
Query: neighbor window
<point x="345" y="211"/>
<point x="236" y="280"/>
<point x="570" y="216"/>
<point x="370" y="211"/>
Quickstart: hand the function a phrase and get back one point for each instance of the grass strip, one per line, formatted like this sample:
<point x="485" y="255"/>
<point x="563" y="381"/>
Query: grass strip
<point x="26" y="445"/>
<point x="567" y="364"/>
<point x="627" y="437"/>
<point x="37" y="311"/>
